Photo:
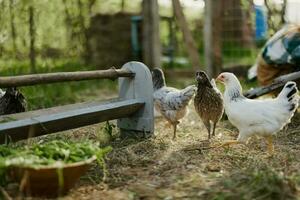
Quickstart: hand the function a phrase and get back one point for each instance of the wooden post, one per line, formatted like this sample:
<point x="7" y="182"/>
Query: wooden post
<point x="13" y="26"/>
<point x="212" y="37"/>
<point x="151" y="37"/>
<point x="141" y="124"/>
<point x="189" y="41"/>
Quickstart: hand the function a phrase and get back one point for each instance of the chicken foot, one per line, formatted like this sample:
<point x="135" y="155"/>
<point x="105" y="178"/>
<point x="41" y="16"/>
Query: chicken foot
<point x="228" y="143"/>
<point x="168" y="124"/>
<point x="270" y="144"/>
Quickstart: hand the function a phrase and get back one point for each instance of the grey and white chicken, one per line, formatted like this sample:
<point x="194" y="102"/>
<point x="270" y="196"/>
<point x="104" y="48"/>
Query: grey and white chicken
<point x="12" y="101"/>
<point x="260" y="117"/>
<point x="208" y="102"/>
<point x="170" y="102"/>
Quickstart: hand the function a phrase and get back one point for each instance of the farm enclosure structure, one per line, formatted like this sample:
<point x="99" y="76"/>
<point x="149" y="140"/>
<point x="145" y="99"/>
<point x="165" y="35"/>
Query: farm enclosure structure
<point x="133" y="108"/>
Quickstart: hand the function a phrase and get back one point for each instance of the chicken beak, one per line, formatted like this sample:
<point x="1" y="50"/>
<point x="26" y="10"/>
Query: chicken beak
<point x="220" y="79"/>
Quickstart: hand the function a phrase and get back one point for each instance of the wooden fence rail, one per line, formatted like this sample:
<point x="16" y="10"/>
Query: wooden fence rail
<point x="277" y="83"/>
<point x="35" y="79"/>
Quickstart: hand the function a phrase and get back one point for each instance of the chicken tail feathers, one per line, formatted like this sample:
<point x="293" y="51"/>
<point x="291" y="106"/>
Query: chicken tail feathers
<point x="289" y="93"/>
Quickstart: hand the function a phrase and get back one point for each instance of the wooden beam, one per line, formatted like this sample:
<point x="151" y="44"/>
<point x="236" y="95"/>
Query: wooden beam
<point x="34" y="79"/>
<point x="276" y="84"/>
<point x="24" y="125"/>
<point x="151" y="37"/>
<point x="189" y="41"/>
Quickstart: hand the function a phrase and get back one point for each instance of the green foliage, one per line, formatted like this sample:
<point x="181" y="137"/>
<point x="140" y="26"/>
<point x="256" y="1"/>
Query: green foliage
<point x="106" y="134"/>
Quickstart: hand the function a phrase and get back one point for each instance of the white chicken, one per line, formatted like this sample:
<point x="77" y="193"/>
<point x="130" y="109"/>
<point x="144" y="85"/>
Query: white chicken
<point x="171" y="102"/>
<point x="263" y="117"/>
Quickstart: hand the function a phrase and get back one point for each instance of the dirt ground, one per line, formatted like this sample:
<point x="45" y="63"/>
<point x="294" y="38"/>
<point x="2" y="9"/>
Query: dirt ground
<point x="160" y="168"/>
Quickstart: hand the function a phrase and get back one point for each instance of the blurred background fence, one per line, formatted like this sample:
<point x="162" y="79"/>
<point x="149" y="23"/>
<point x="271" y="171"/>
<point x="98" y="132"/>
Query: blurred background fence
<point x="105" y="33"/>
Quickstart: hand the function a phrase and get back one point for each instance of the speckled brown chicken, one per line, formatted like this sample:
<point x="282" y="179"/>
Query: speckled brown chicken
<point x="208" y="102"/>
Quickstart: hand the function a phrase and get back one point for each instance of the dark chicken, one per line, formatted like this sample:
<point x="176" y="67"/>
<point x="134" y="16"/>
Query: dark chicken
<point x="12" y="101"/>
<point x="208" y="102"/>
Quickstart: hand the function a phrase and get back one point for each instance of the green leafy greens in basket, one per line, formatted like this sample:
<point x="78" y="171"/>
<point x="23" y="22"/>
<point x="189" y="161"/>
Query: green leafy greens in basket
<point x="55" y="153"/>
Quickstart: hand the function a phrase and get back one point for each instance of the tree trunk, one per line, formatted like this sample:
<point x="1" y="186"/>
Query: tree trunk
<point x="212" y="37"/>
<point x="122" y="5"/>
<point x="69" y="27"/>
<point x="88" y="50"/>
<point x="91" y="3"/>
<point x="151" y="37"/>
<point x="32" y="53"/>
<point x="12" y="26"/>
<point x="189" y="41"/>
<point x="2" y="11"/>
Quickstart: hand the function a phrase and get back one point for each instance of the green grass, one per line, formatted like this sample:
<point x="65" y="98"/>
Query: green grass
<point x="44" y="96"/>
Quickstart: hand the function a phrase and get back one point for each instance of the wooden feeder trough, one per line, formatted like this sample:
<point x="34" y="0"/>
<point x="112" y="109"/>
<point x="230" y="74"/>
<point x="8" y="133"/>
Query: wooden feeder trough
<point x="133" y="108"/>
<point x="49" y="181"/>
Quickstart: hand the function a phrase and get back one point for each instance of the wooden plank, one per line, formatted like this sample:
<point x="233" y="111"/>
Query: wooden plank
<point x="189" y="41"/>
<point x="34" y="79"/>
<point x="42" y="124"/>
<point x="53" y="110"/>
<point x="277" y="83"/>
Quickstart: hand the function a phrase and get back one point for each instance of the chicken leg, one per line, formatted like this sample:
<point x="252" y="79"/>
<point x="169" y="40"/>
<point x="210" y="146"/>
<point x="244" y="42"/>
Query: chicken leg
<point x="175" y="128"/>
<point x="214" y="128"/>
<point x="207" y="125"/>
<point x="270" y="144"/>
